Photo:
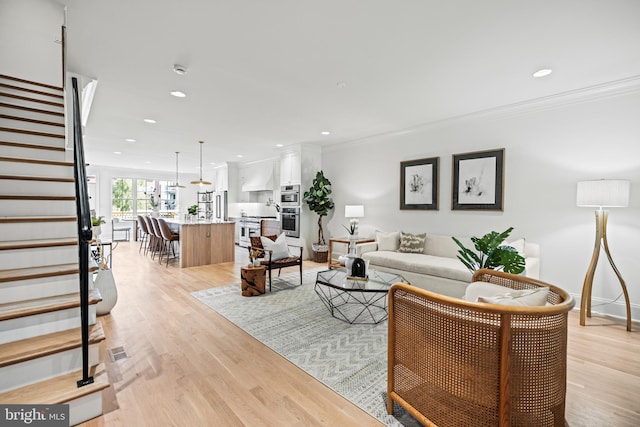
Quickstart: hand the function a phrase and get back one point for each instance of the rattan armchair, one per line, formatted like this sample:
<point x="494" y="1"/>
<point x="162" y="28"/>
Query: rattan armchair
<point x="459" y="363"/>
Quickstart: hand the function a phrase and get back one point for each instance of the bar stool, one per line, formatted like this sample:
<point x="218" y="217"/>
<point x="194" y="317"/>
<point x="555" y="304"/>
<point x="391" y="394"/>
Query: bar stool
<point x="144" y="233"/>
<point x="158" y="238"/>
<point x="153" y="239"/>
<point x="168" y="237"/>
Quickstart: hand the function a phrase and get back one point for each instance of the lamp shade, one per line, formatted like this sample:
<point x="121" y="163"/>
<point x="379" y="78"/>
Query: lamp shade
<point x="612" y="193"/>
<point x="353" y="211"/>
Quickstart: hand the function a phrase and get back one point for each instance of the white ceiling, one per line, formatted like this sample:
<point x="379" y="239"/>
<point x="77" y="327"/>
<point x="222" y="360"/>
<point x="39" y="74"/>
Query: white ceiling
<point x="262" y="73"/>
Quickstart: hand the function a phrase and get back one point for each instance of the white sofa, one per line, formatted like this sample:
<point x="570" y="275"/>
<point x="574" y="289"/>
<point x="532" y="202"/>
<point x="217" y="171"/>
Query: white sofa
<point x="438" y="268"/>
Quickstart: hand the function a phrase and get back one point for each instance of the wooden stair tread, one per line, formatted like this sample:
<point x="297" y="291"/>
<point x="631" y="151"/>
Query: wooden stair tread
<point x="45" y="345"/>
<point x="37" y="243"/>
<point x="31" y="82"/>
<point x="38" y="92"/>
<point x="32" y="146"/>
<point x="17" y="219"/>
<point x="39" y="272"/>
<point x="14" y="310"/>
<point x="36" y="178"/>
<point x="31" y="109"/>
<point x="28" y="98"/>
<point x="29" y="120"/>
<point x="21" y="197"/>
<point x="42" y="162"/>
<point x="32" y="132"/>
<point x="56" y="390"/>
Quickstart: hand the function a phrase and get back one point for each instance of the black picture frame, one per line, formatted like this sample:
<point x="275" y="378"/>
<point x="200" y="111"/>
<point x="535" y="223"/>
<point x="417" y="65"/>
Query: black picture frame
<point x="478" y="181"/>
<point x="419" y="184"/>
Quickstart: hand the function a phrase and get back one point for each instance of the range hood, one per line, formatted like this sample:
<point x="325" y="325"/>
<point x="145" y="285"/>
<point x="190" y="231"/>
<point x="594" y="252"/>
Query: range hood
<point x="258" y="179"/>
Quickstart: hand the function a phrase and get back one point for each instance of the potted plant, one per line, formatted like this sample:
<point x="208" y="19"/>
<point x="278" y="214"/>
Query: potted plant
<point x="318" y="200"/>
<point x="95" y="226"/>
<point x="193" y="210"/>
<point x="491" y="253"/>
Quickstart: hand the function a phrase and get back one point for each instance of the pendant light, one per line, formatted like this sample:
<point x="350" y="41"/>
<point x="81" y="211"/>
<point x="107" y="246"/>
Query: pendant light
<point x="201" y="182"/>
<point x="177" y="184"/>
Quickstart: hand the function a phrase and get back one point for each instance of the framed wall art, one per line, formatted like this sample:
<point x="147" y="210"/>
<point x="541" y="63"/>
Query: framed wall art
<point x="419" y="184"/>
<point x="478" y="181"/>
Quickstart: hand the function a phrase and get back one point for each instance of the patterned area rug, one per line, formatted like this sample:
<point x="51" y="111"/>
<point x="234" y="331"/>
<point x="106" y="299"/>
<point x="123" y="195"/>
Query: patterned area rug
<point x="291" y="320"/>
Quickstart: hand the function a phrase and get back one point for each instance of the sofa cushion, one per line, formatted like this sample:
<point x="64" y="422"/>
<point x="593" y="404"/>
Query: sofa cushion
<point x="411" y="243"/>
<point x="388" y="241"/>
<point x="448" y="268"/>
<point x="444" y="246"/>
<point x="518" y="245"/>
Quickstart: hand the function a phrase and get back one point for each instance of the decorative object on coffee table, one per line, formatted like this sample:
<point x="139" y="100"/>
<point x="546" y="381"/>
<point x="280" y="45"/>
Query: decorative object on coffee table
<point x="604" y="193"/>
<point x="419" y="184"/>
<point x="319" y="201"/>
<point x="491" y="253"/>
<point x="253" y="280"/>
<point x="478" y="181"/>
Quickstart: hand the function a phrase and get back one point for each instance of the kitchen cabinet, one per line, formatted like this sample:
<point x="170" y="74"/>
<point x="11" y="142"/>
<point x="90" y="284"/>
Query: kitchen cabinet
<point x="222" y="179"/>
<point x="290" y="168"/>
<point x="204" y="243"/>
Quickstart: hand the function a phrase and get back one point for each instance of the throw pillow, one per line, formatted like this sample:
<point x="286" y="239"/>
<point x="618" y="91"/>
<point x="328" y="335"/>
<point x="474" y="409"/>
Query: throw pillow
<point x="518" y="245"/>
<point x="256" y="243"/>
<point x="527" y="297"/>
<point x="388" y="241"/>
<point x="279" y="247"/>
<point x="412" y="243"/>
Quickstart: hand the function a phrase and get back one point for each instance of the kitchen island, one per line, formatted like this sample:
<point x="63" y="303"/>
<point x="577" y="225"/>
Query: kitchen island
<point x="205" y="242"/>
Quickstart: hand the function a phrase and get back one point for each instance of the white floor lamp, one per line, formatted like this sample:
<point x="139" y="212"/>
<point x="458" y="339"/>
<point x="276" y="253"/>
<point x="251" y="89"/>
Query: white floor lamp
<point x="604" y="193"/>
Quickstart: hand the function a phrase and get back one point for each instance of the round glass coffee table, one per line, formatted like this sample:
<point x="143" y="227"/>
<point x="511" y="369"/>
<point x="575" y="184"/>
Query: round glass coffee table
<point x="356" y="300"/>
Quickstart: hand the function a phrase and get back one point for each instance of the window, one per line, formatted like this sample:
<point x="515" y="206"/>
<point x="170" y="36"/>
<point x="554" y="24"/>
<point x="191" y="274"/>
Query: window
<point x="146" y="196"/>
<point x="122" y="197"/>
<point x="167" y="197"/>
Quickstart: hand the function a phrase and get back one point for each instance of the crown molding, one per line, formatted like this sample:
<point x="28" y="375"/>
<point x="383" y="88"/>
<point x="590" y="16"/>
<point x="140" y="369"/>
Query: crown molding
<point x="578" y="96"/>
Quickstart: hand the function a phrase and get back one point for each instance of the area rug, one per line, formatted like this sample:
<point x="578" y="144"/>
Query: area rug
<point x="291" y="320"/>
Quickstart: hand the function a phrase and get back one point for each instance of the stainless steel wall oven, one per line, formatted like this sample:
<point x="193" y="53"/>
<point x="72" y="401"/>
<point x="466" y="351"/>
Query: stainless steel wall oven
<point x="290" y="221"/>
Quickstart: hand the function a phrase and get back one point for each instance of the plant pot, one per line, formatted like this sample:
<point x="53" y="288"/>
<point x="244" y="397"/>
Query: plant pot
<point x="96" y="230"/>
<point x="320" y="256"/>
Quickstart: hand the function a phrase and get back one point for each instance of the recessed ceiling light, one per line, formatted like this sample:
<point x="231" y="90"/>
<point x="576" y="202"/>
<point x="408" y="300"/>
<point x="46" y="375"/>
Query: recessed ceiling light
<point x="279" y="145"/>
<point x="239" y="155"/>
<point x="150" y="121"/>
<point x="178" y="94"/>
<point x="147" y="162"/>
<point x="543" y="72"/>
<point x="325" y="132"/>
<point x="212" y="163"/>
<point x="117" y="152"/>
<point x="130" y="140"/>
<point x="180" y="69"/>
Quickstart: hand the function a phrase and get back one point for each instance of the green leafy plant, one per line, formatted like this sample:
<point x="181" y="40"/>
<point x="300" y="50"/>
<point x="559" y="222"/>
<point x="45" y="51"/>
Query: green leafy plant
<point x="351" y="229"/>
<point x="491" y="253"/>
<point x="97" y="221"/>
<point x="318" y="200"/>
<point x="193" y="210"/>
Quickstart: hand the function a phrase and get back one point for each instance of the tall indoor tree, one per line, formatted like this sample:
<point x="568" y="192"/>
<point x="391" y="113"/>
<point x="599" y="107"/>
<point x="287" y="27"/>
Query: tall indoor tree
<point x="319" y="201"/>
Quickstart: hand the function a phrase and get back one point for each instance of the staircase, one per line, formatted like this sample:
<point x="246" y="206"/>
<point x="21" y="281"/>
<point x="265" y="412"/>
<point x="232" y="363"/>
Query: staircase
<point x="40" y="337"/>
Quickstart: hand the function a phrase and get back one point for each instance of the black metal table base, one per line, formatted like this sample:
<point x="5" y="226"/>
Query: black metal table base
<point x="354" y="306"/>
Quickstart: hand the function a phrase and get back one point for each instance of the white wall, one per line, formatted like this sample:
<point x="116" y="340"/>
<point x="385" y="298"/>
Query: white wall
<point x="28" y="34"/>
<point x="548" y="149"/>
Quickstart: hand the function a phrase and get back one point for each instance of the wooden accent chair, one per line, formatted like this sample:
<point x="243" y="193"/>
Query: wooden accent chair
<point x="458" y="363"/>
<point x="270" y="264"/>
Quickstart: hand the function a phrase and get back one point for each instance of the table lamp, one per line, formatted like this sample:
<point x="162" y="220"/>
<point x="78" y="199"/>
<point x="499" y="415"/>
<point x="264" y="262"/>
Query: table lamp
<point x="603" y="193"/>
<point x="354" y="212"/>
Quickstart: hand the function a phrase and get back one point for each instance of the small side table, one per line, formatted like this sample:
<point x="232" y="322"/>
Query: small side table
<point x="335" y="264"/>
<point x="253" y="280"/>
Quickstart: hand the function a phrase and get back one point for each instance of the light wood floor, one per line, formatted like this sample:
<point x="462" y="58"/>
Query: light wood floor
<point x="189" y="366"/>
